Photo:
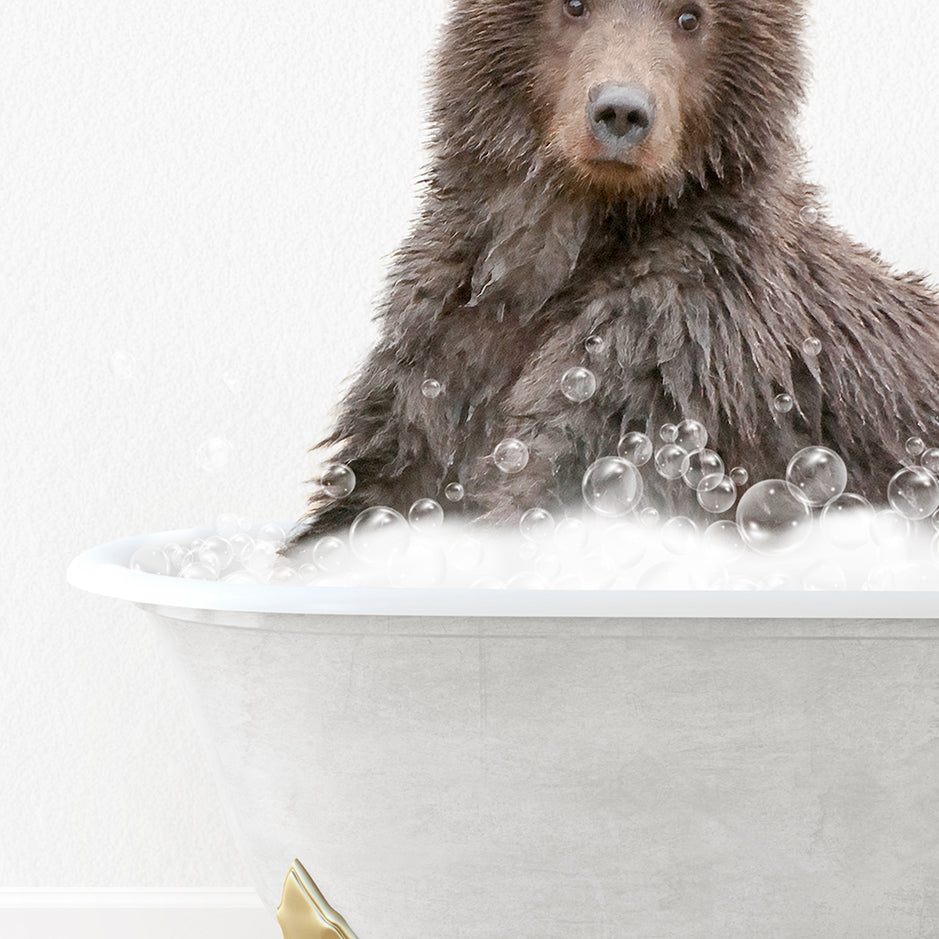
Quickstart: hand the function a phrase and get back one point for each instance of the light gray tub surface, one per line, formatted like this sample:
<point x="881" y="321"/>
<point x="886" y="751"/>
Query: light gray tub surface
<point x="541" y="764"/>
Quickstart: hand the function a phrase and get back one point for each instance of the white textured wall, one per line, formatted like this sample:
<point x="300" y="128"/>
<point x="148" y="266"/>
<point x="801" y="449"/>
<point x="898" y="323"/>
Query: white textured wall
<point x="195" y="202"/>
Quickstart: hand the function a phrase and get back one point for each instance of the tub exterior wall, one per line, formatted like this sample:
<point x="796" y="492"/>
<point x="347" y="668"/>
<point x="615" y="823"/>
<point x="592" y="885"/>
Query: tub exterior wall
<point x="174" y="188"/>
<point x="623" y="779"/>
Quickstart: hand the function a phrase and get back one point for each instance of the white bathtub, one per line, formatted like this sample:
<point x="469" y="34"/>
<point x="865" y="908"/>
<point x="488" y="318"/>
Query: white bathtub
<point x="545" y="764"/>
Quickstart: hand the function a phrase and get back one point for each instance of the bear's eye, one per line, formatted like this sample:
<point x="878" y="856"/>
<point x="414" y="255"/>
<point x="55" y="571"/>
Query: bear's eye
<point x="689" y="19"/>
<point x="575" y="8"/>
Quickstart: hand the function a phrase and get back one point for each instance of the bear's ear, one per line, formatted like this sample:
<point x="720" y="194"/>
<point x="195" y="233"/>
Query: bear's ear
<point x="532" y="248"/>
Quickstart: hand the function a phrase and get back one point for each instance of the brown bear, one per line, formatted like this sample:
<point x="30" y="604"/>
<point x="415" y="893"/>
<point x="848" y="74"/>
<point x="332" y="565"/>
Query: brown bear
<point x="617" y="185"/>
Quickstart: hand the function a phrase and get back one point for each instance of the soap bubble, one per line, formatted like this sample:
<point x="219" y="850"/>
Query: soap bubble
<point x="595" y="345"/>
<point x="150" y="560"/>
<point x="227" y="525"/>
<point x="527" y="580"/>
<point x="612" y="486"/>
<point x="378" y="533"/>
<point x="915" y="446"/>
<point x="241" y="577"/>
<point x="218" y="549"/>
<point x="716" y="497"/>
<point x="635" y="447"/>
<point x="578" y="384"/>
<point x="812" y="346"/>
<point x="703" y="469"/>
<point x="649" y="516"/>
<point x="454" y="492"/>
<point x="176" y="554"/>
<point x="825" y="577"/>
<point x="783" y="403"/>
<point x="272" y="532"/>
<point x="122" y="364"/>
<point x="330" y="554"/>
<point x="337" y="480"/>
<point x="889" y="529"/>
<point x="624" y="545"/>
<point x="214" y="454"/>
<point x="425" y="515"/>
<point x="771" y="519"/>
<point x="668" y="433"/>
<point x="232" y="380"/>
<point x="915" y="575"/>
<point x="725" y="537"/>
<point x="571" y="534"/>
<point x="808" y="214"/>
<point x="537" y="524"/>
<point x="281" y="575"/>
<point x="679" y="535"/>
<point x="690" y="436"/>
<point x="196" y="571"/>
<point x="465" y="553"/>
<point x="816" y="475"/>
<point x="260" y="558"/>
<point x="930" y="460"/>
<point x="511" y="455"/>
<point x="241" y="543"/>
<point x="671" y="461"/>
<point x="431" y="388"/>
<point x="740" y="475"/>
<point x="913" y="493"/>
<point x="421" y="564"/>
<point x="846" y="520"/>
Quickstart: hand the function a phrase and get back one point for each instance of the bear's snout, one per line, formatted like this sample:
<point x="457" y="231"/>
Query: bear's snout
<point x="620" y="116"/>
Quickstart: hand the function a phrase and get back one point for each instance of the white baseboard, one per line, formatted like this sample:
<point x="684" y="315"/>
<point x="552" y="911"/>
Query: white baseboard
<point x="137" y="914"/>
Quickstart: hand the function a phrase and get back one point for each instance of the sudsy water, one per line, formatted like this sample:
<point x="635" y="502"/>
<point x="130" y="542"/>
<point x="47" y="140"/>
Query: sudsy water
<point x="804" y="531"/>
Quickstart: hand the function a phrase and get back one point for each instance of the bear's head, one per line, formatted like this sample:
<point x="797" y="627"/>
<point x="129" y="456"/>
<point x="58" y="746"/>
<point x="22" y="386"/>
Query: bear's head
<point x="625" y="98"/>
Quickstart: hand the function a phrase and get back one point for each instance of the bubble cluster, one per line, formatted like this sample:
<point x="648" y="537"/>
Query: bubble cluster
<point x="511" y="455"/>
<point x="578" y="384"/>
<point x="646" y="522"/>
<point x="612" y="486"/>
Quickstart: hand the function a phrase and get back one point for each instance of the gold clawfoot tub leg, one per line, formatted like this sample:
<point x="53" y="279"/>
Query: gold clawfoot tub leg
<point x="304" y="913"/>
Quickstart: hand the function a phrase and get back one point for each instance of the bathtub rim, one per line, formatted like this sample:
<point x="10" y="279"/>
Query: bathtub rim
<point x="103" y="570"/>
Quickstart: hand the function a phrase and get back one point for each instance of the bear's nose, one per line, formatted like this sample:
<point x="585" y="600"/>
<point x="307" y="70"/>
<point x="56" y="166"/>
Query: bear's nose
<point x="620" y="116"/>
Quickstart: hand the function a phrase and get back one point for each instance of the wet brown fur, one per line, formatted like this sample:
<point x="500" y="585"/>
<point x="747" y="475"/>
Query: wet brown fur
<point x="700" y="268"/>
